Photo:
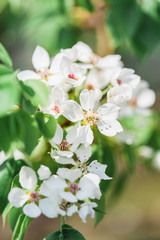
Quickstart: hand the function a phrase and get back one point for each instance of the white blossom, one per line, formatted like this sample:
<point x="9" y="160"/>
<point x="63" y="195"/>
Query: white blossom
<point x="105" y="117"/>
<point x="86" y="209"/>
<point x="41" y="63"/>
<point x="56" y="101"/>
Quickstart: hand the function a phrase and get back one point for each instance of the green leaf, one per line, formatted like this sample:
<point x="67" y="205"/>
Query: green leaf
<point x="130" y="156"/>
<point x="36" y="91"/>
<point x="8" y="170"/>
<point x="5" y="213"/>
<point x="18" y="130"/>
<point x="4" y="56"/>
<point x="47" y="124"/>
<point x="28" y="131"/>
<point x="5" y="70"/>
<point x="100" y="210"/>
<point x="13" y="215"/>
<point x="120" y="183"/>
<point x="9" y="93"/>
<point x="27" y="106"/>
<point x="68" y="233"/>
<point x="21" y="227"/>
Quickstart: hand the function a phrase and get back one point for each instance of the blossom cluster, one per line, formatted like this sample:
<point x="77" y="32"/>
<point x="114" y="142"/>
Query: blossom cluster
<point x="90" y="92"/>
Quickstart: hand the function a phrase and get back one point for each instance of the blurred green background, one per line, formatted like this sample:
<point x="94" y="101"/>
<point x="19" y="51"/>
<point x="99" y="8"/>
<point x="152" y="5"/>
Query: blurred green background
<point x="127" y="27"/>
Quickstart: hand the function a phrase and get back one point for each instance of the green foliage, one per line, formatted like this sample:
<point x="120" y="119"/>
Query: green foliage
<point x="20" y="227"/>
<point x="135" y="23"/>
<point x="36" y="91"/>
<point x="13" y="216"/>
<point x="4" y="56"/>
<point x="8" y="170"/>
<point x="9" y="93"/>
<point x="100" y="210"/>
<point x="27" y="106"/>
<point x="47" y="124"/>
<point x="18" y="130"/>
<point x="67" y="233"/>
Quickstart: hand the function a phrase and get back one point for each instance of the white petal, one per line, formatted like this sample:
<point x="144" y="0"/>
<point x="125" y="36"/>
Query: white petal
<point x="70" y="174"/>
<point x="55" y="63"/>
<point x="98" y="169"/>
<point x="84" y="52"/>
<point x="44" y="172"/>
<point x="28" y="178"/>
<point x="58" y="137"/>
<point x="32" y="210"/>
<point x="71" y="210"/>
<point x="146" y="98"/>
<point x="87" y="210"/>
<point x="72" y="111"/>
<point x="109" y="129"/>
<point x="83" y="153"/>
<point x="89" y="187"/>
<point x="73" y="133"/>
<point x="17" y="197"/>
<point x="119" y="95"/>
<point x="108" y="111"/>
<point x="56" y="79"/>
<point x="110" y="61"/>
<point x="27" y="75"/>
<point x="86" y="135"/>
<point x="90" y="99"/>
<point x="54" y="184"/>
<point x="68" y="196"/>
<point x="63" y="159"/>
<point x="40" y="58"/>
<point x="65" y="153"/>
<point x="49" y="208"/>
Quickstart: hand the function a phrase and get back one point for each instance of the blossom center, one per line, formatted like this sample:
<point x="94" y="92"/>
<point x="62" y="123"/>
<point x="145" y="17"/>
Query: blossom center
<point x="44" y="74"/>
<point x="34" y="196"/>
<point x="64" y="205"/>
<point x="73" y="187"/>
<point x="56" y="109"/>
<point x="64" y="145"/>
<point x="90" y="118"/>
<point x="72" y="76"/>
<point x="119" y="81"/>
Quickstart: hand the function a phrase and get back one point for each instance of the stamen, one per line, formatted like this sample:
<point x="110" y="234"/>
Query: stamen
<point x="64" y="145"/>
<point x="73" y="187"/>
<point x="72" y="76"/>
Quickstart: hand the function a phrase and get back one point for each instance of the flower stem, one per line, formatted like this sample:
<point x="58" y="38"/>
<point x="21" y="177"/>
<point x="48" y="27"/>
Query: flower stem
<point x="61" y="223"/>
<point x="106" y="90"/>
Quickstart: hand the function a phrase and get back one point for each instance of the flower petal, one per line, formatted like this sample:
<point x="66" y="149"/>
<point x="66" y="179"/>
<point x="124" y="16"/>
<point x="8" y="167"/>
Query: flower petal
<point x="84" y="52"/>
<point x="70" y="174"/>
<point x="72" y="111"/>
<point x="109" y="129"/>
<point x="83" y="153"/>
<point x="71" y="210"/>
<point x="86" y="135"/>
<point x="58" y="137"/>
<point x="17" y="197"/>
<point x="32" y="210"/>
<point x="90" y="99"/>
<point x="87" y="210"/>
<point x="40" y="59"/>
<point x="89" y="187"/>
<point x="44" y="172"/>
<point x="62" y="159"/>
<point x="98" y="169"/>
<point x="28" y="178"/>
<point x="108" y="111"/>
<point x="27" y="75"/>
<point x="68" y="196"/>
<point x="49" y="208"/>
